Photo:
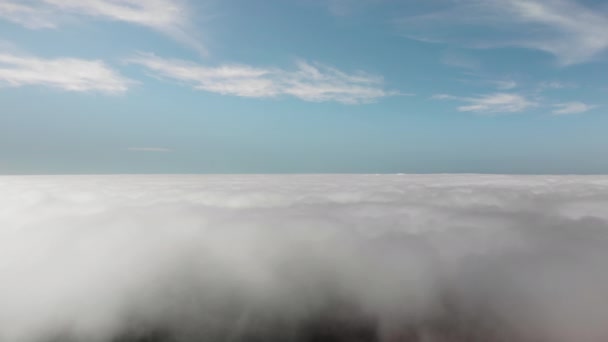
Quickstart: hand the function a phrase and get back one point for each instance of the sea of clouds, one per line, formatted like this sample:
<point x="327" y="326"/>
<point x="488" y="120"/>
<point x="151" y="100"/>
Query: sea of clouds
<point x="304" y="258"/>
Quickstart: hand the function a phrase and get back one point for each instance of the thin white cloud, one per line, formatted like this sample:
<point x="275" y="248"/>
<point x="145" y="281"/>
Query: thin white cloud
<point x="491" y="103"/>
<point x="308" y="81"/>
<point x="68" y="74"/>
<point x="572" y="108"/>
<point x="171" y="17"/>
<point x="347" y="7"/>
<point x="579" y="32"/>
<point x="150" y="149"/>
<point x="568" y="29"/>
<point x="23" y="13"/>
<point x="460" y="60"/>
<point x="505" y="84"/>
<point x="556" y="85"/>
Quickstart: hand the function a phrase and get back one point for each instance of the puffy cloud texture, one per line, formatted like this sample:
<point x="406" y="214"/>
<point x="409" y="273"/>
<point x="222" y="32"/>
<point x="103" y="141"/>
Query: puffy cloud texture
<point x="303" y="258"/>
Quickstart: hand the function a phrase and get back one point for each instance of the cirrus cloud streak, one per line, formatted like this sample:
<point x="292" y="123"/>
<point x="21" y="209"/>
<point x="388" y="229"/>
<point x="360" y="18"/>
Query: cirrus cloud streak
<point x="570" y="30"/>
<point x="170" y="17"/>
<point x="572" y="108"/>
<point x="308" y="81"/>
<point x="69" y="74"/>
<point x="491" y="103"/>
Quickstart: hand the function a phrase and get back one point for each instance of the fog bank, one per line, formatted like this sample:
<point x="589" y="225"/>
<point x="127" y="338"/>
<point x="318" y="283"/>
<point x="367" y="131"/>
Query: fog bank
<point x="304" y="258"/>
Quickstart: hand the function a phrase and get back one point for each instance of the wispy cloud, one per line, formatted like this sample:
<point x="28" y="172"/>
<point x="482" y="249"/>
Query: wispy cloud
<point x="28" y="15"/>
<point x="308" y="81"/>
<point x="68" y="74"/>
<point x="511" y="103"/>
<point x="572" y="108"/>
<point x="570" y="30"/>
<point x="505" y="84"/>
<point x="171" y="17"/>
<point x="347" y="7"/>
<point x="556" y="85"/>
<point x="150" y="149"/>
<point x="460" y="60"/>
<point x="491" y="103"/>
<point x="578" y="33"/>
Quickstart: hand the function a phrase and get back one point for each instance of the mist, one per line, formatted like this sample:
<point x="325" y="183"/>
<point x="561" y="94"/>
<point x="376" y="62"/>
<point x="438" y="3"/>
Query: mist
<point x="304" y="258"/>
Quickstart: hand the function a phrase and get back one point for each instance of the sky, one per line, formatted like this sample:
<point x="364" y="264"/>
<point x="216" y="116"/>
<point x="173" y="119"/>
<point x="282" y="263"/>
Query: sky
<point x="303" y="86"/>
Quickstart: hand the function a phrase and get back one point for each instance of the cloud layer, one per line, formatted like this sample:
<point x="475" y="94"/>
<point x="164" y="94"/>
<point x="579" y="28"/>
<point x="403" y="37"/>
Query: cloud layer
<point x="303" y="258"/>
<point x="308" y="82"/>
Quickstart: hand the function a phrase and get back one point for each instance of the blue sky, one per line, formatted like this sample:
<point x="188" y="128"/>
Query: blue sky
<point x="298" y="86"/>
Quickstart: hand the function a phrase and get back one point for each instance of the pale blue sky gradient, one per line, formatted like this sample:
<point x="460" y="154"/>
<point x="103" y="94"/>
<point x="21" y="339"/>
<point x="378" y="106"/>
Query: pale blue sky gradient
<point x="299" y="86"/>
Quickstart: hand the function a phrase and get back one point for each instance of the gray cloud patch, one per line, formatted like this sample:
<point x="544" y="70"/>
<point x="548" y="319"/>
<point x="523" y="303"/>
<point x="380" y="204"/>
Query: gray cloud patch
<point x="303" y="258"/>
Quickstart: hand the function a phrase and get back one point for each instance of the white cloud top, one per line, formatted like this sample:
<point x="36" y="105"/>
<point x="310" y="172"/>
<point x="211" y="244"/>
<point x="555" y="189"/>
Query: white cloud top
<point x="458" y="258"/>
